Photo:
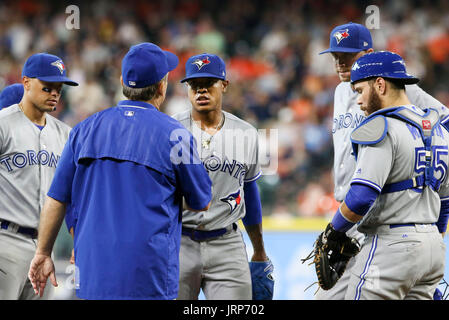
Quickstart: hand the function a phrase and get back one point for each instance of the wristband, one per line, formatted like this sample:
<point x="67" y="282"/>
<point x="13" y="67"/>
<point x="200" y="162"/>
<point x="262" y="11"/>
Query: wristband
<point x="340" y="223"/>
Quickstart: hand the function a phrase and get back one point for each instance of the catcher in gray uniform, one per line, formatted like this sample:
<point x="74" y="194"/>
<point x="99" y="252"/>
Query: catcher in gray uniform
<point x="31" y="143"/>
<point x="399" y="189"/>
<point x="213" y="255"/>
<point x="347" y="43"/>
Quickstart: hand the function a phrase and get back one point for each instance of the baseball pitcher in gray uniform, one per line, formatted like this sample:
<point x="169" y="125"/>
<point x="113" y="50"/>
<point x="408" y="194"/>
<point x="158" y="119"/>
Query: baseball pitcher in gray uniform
<point x="31" y="142"/>
<point x="347" y="43"/>
<point x="399" y="189"/>
<point x="213" y="255"/>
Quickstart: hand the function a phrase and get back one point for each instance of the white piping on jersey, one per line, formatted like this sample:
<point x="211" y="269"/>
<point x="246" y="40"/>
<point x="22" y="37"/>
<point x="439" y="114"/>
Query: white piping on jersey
<point x="367" y="182"/>
<point x="125" y="105"/>
<point x="254" y="178"/>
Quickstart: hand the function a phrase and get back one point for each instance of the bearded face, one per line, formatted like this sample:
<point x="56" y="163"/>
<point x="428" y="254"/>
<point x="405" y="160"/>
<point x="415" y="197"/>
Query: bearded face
<point x="373" y="104"/>
<point x="368" y="99"/>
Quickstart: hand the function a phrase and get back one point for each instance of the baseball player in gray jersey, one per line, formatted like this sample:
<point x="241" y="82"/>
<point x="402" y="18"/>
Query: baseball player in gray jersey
<point x="399" y="189"/>
<point x="31" y="142"/>
<point x="213" y="255"/>
<point x="349" y="42"/>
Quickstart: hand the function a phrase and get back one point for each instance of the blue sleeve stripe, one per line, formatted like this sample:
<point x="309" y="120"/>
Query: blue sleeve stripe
<point x="368" y="183"/>
<point x="444" y="199"/>
<point x="257" y="176"/>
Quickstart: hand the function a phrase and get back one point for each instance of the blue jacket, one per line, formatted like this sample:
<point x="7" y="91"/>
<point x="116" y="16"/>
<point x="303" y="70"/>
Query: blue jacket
<point x="122" y="173"/>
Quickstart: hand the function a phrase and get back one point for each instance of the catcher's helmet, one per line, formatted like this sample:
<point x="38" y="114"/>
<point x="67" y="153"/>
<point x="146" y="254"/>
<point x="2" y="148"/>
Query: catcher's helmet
<point x="383" y="64"/>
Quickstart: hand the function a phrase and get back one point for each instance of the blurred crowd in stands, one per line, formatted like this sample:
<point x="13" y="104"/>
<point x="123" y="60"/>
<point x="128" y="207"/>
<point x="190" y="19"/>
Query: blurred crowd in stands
<point x="277" y="79"/>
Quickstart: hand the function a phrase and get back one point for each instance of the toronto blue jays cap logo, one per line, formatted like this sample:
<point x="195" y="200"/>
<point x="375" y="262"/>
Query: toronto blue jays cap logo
<point x="355" y="66"/>
<point x="349" y="37"/>
<point x="205" y="65"/>
<point x="341" y="34"/>
<point x="58" y="64"/>
<point x="233" y="200"/>
<point x="201" y="62"/>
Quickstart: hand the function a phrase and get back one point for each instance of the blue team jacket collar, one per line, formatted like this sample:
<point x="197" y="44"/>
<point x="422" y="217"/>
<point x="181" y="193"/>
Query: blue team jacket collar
<point x="134" y="103"/>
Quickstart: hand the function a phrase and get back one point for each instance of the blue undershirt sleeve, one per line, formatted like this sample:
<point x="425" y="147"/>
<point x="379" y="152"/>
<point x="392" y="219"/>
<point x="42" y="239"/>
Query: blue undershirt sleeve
<point x="360" y="198"/>
<point x="252" y="203"/>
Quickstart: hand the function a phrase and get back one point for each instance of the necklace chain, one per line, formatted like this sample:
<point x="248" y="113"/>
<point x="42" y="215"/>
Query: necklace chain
<point x="206" y="142"/>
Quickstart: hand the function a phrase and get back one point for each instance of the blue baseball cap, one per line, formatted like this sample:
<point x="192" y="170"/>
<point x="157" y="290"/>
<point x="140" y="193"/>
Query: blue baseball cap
<point x="10" y="95"/>
<point x="349" y="37"/>
<point x="383" y="64"/>
<point x="46" y="67"/>
<point x="146" y="64"/>
<point x="205" y="65"/>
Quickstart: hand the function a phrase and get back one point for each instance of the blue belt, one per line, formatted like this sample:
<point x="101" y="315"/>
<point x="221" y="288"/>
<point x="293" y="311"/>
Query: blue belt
<point x="201" y="235"/>
<point x="28" y="231"/>
<point x="392" y="226"/>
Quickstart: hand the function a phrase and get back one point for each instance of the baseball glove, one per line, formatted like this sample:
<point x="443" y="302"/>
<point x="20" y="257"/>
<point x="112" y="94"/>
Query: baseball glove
<point x="262" y="280"/>
<point x="332" y="251"/>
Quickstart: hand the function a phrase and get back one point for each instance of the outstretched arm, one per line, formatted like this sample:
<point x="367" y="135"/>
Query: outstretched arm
<point x="253" y="220"/>
<point x="42" y="266"/>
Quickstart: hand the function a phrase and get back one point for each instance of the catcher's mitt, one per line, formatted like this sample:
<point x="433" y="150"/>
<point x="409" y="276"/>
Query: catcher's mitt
<point x="332" y="251"/>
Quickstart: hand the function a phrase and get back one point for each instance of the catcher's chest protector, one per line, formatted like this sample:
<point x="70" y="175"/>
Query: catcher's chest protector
<point x="375" y="127"/>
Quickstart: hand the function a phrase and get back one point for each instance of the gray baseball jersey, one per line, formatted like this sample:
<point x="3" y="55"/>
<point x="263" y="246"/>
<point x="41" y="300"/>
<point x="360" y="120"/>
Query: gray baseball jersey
<point x="220" y="266"/>
<point x="231" y="158"/>
<point x="400" y="156"/>
<point x="28" y="159"/>
<point x="403" y="254"/>
<point x="347" y="116"/>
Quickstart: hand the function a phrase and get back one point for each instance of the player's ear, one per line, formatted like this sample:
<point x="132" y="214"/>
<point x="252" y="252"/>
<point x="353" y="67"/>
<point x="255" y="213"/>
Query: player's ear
<point x="26" y="82"/>
<point x="121" y="80"/>
<point x="224" y="84"/>
<point x="162" y="86"/>
<point x="380" y="85"/>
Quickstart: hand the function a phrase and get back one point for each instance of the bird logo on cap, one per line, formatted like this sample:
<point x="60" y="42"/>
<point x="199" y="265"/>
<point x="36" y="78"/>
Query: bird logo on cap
<point x="201" y="62"/>
<point x="341" y="34"/>
<point x="355" y="66"/>
<point x="58" y="64"/>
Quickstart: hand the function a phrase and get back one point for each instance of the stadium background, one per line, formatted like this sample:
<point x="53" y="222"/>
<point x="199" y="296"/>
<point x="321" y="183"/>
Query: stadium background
<point x="278" y="81"/>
